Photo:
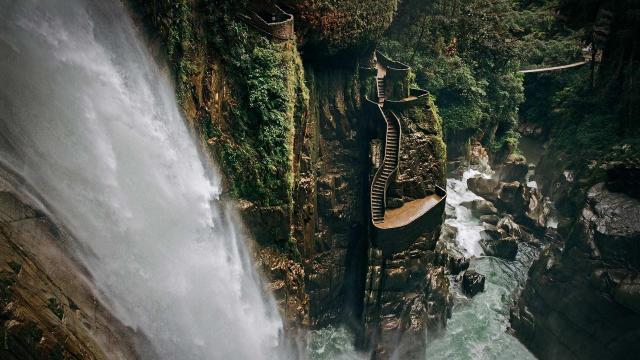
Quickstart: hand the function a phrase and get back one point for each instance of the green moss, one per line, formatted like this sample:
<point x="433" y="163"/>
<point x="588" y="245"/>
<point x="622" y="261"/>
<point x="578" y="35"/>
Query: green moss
<point x="254" y="142"/>
<point x="331" y="26"/>
<point x="258" y="156"/>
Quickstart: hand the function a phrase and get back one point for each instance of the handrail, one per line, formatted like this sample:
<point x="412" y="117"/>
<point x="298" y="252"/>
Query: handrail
<point x="391" y="64"/>
<point x="378" y="173"/>
<point x="554" y="68"/>
<point x="275" y="28"/>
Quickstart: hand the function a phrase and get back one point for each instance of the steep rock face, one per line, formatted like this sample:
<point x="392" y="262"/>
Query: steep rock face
<point x="422" y="155"/>
<point x="293" y="143"/>
<point x="326" y="28"/>
<point x="49" y="310"/>
<point x="582" y="301"/>
<point x="411" y="284"/>
<point x="243" y="94"/>
<point x="329" y="218"/>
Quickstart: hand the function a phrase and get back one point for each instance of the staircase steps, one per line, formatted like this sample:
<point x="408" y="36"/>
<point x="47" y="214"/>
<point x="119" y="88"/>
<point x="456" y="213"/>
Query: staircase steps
<point x="389" y="163"/>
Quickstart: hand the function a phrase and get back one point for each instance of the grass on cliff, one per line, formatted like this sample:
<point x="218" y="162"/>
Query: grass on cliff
<point x="266" y="83"/>
<point x="259" y="158"/>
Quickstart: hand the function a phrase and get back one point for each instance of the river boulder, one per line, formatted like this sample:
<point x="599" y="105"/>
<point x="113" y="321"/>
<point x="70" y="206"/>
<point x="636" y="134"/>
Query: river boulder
<point x="480" y="207"/>
<point x="472" y="282"/>
<point x="490" y="219"/>
<point x="514" y="169"/>
<point x="486" y="188"/>
<point x="503" y="248"/>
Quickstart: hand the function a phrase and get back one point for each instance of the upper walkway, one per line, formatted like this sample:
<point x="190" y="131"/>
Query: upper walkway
<point x="271" y="20"/>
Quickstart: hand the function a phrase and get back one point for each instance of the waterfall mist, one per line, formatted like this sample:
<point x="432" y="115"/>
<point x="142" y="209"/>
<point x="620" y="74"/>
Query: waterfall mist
<point x="88" y="120"/>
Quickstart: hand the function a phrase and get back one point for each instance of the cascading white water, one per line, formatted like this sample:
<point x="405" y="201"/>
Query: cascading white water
<point x="469" y="227"/>
<point x="88" y="120"/>
<point x="477" y="328"/>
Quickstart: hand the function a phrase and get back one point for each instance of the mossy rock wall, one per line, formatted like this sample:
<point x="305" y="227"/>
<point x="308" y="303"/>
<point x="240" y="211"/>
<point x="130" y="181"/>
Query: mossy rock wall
<point x="329" y="27"/>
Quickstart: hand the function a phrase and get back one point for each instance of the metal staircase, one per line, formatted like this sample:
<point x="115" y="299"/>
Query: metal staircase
<point x="389" y="166"/>
<point x="381" y="95"/>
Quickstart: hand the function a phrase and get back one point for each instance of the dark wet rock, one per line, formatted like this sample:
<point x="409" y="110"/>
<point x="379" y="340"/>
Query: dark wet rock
<point x="502" y="248"/>
<point x="457" y="264"/>
<point x="450" y="259"/>
<point x="524" y="203"/>
<point x="448" y="233"/>
<point x="490" y="219"/>
<point x="480" y="207"/>
<point x="394" y="203"/>
<point x="623" y="175"/>
<point x="48" y="307"/>
<point x="490" y="232"/>
<point x="472" y="282"/>
<point x="486" y="188"/>
<point x="449" y="211"/>
<point x="582" y="298"/>
<point x="512" y="170"/>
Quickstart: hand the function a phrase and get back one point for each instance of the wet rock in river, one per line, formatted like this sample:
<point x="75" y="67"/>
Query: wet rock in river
<point x="490" y="219"/>
<point x="487" y="188"/>
<point x="512" y="170"/>
<point x="480" y="207"/>
<point x="502" y="248"/>
<point x="472" y="282"/>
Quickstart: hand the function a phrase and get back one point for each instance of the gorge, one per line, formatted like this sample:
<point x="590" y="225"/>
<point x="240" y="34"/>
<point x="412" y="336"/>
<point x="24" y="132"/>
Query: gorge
<point x="319" y="179"/>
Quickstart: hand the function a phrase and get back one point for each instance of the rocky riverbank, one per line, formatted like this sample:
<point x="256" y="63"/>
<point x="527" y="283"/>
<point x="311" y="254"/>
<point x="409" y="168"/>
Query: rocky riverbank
<point x="582" y="300"/>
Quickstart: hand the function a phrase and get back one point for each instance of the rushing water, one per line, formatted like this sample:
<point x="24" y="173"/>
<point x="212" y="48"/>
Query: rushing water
<point x="477" y="328"/>
<point x="88" y="120"/>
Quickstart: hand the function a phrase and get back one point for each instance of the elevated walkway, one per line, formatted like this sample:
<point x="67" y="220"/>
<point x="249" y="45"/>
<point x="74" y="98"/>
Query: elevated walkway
<point x="395" y="229"/>
<point x="271" y="20"/>
<point x="554" y="68"/>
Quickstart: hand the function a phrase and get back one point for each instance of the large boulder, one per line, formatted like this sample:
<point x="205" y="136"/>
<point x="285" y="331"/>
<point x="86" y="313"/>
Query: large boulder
<point x="624" y="175"/>
<point x="486" y="188"/>
<point x="587" y="290"/>
<point x="525" y="203"/>
<point x="515" y="169"/>
<point x="480" y="207"/>
<point x="472" y="282"/>
<point x="503" y="248"/>
<point x="490" y="219"/>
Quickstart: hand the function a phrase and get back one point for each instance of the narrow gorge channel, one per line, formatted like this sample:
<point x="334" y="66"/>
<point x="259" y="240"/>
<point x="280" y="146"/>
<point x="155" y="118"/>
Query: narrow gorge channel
<point x="478" y="326"/>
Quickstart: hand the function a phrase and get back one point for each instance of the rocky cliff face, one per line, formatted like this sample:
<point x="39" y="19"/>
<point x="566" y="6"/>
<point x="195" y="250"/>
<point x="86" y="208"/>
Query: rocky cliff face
<point x="581" y="300"/>
<point x="329" y="220"/>
<point x="284" y="120"/>
<point x="49" y="310"/>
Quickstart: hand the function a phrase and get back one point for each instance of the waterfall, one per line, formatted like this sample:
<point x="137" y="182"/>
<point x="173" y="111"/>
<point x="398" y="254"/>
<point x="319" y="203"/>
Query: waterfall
<point x="88" y="120"/>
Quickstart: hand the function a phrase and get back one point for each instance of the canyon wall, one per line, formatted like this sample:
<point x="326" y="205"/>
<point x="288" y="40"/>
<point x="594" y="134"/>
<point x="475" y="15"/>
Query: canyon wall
<point x="284" y="120"/>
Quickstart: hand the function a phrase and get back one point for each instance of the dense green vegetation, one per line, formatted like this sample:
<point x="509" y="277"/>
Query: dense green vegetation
<point x="591" y="113"/>
<point x="256" y="150"/>
<point x="259" y="159"/>
<point x="329" y="27"/>
<point x="467" y="53"/>
<point x="463" y="53"/>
